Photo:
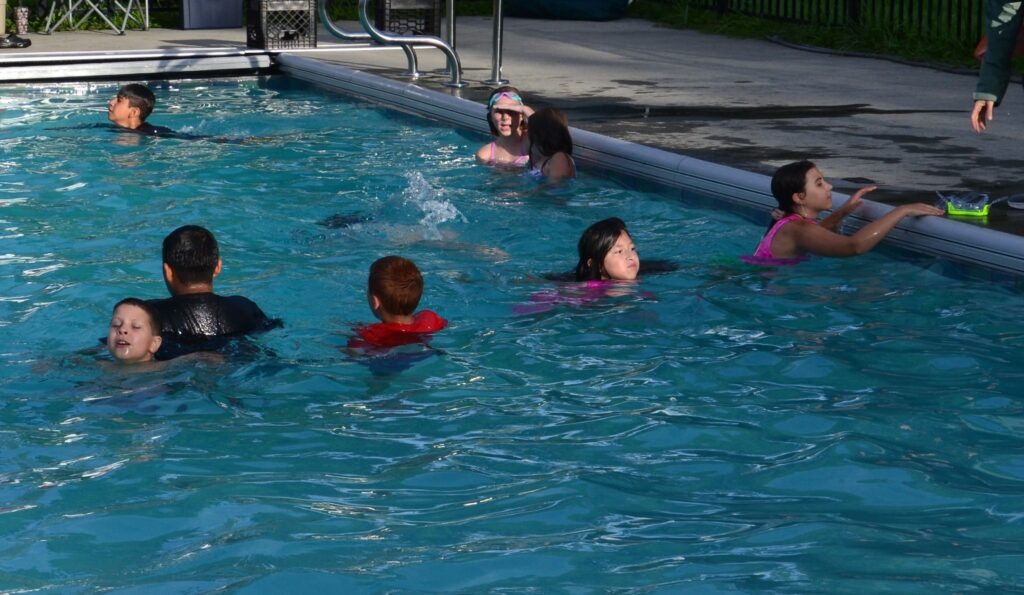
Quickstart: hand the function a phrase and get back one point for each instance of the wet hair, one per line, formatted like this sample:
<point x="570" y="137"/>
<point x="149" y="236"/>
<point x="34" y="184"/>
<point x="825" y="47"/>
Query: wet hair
<point x="493" y="97"/>
<point x="192" y="253"/>
<point x="594" y="245"/>
<point x="548" y="130"/>
<point x="155" y="324"/>
<point x="138" y="95"/>
<point x="397" y="283"/>
<point x="788" y="180"/>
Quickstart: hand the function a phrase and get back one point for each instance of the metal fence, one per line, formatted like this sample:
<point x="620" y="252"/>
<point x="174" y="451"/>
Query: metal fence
<point x="947" y="19"/>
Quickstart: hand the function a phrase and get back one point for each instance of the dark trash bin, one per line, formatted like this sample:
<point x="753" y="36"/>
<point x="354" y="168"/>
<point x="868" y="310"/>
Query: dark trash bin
<point x="281" y="24"/>
<point x="409" y="17"/>
<point x="211" y="14"/>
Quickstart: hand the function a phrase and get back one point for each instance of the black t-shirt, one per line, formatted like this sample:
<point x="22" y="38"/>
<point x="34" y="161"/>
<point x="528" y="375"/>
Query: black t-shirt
<point x="146" y="129"/>
<point x="206" y="321"/>
<point x="150" y="130"/>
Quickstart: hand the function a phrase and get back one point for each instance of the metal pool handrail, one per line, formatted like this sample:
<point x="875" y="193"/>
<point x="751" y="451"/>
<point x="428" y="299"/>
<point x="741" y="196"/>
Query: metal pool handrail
<point x="336" y="30"/>
<point x="340" y="33"/>
<point x="454" y="64"/>
<point x="496" y="50"/>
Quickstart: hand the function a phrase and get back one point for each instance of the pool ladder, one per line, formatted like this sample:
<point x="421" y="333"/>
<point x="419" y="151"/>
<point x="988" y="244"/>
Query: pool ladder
<point x="406" y="42"/>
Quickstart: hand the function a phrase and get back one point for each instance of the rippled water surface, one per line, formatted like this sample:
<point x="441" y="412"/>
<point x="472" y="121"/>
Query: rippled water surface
<point x="840" y="426"/>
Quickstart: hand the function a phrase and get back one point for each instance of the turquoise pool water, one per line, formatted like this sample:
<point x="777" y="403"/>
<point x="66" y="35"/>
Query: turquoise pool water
<point x="840" y="426"/>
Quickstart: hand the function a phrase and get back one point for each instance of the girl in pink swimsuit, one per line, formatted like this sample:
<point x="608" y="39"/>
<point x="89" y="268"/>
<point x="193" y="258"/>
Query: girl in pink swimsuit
<point x="608" y="267"/>
<point x="506" y="116"/>
<point x="802" y="194"/>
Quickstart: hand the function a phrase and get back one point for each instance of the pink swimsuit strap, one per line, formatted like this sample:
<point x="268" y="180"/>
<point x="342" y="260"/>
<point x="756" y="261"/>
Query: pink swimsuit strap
<point x="521" y="161"/>
<point x="763" y="255"/>
<point x="764" y="249"/>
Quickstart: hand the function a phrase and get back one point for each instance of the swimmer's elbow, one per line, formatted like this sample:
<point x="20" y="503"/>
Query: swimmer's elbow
<point x="864" y="242"/>
<point x="849" y="247"/>
<point x="853" y="247"/>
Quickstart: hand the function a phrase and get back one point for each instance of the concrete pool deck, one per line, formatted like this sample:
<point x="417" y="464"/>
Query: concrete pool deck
<point x="751" y="104"/>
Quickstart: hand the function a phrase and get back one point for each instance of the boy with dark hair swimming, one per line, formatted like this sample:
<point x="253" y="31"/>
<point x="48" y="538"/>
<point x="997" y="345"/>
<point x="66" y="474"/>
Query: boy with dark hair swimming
<point x="130" y="108"/>
<point x="134" y="103"/>
<point x="194" y="317"/>
<point x="393" y="292"/>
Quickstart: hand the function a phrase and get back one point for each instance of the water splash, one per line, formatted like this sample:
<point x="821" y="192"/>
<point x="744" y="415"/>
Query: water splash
<point x="434" y="209"/>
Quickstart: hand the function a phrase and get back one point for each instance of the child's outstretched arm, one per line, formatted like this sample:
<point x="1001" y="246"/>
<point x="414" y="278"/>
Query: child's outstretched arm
<point x="818" y="240"/>
<point x="835" y="219"/>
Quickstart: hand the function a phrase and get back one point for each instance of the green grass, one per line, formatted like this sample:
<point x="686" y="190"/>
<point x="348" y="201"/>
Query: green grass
<point x="890" y="41"/>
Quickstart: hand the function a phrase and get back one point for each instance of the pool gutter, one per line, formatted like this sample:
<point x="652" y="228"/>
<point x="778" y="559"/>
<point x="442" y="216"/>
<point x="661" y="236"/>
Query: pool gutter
<point x="225" y="60"/>
<point x="61" y="66"/>
<point x="942" y="237"/>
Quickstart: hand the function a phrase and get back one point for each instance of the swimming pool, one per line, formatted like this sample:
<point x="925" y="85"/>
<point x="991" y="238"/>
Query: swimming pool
<point x="838" y="426"/>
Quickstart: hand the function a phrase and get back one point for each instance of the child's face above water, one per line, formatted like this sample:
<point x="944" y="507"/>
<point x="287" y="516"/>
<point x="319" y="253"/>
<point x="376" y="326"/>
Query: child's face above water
<point x="119" y="110"/>
<point x="130" y="338"/>
<point x="817" y="192"/>
<point x="506" y="115"/>
<point x="622" y="263"/>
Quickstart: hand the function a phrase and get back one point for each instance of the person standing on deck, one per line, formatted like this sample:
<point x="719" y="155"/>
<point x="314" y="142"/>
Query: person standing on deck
<point x="1003" y="20"/>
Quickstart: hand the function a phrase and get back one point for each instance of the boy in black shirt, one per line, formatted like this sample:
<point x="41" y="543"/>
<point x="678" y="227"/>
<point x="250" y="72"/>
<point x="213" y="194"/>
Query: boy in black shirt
<point x="194" y="318"/>
<point x="130" y="108"/>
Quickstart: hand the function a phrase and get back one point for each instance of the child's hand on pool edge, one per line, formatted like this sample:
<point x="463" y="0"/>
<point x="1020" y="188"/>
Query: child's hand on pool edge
<point x="918" y="209"/>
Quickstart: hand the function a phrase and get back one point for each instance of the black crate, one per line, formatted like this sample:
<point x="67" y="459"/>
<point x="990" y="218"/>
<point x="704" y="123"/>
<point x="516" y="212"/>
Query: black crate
<point x="410" y="17"/>
<point x="281" y="24"/>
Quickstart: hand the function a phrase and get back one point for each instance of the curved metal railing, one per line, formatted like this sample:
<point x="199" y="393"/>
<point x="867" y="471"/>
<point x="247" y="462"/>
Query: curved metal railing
<point x="454" y="64"/>
<point x="340" y="33"/>
<point x="337" y="31"/>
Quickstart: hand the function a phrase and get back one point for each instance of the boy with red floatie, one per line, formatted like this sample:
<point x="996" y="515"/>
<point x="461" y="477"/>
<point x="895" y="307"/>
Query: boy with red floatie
<point x="393" y="292"/>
